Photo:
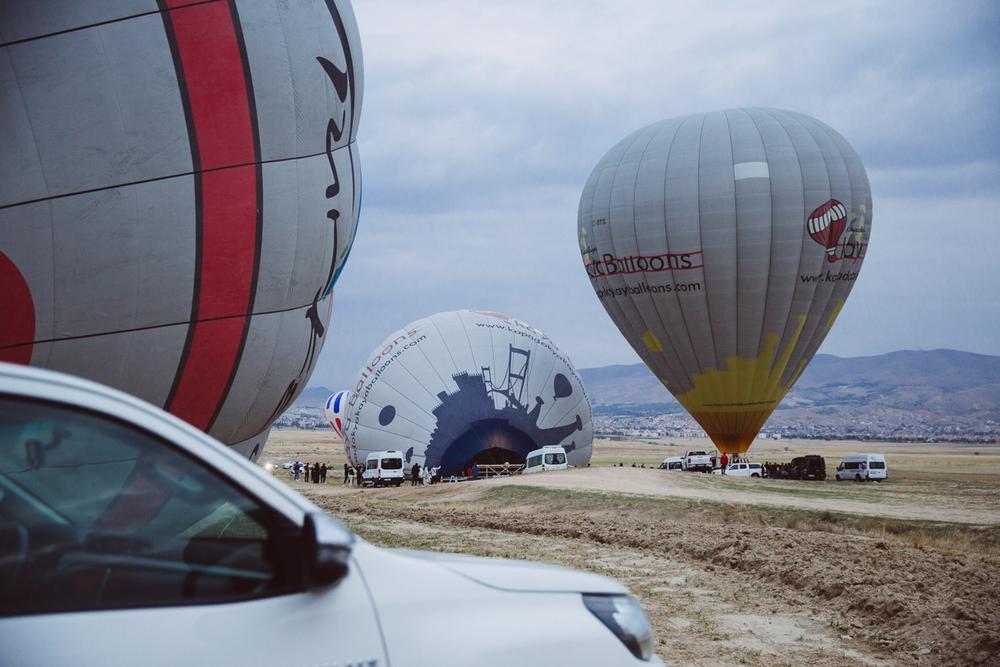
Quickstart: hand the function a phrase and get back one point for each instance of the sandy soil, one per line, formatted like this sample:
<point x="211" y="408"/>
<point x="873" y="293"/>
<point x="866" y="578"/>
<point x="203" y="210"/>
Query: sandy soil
<point x="736" y="571"/>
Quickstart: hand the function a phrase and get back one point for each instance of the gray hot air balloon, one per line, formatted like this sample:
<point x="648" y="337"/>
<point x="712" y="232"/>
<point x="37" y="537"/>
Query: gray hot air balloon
<point x="468" y="386"/>
<point x="724" y="245"/>
<point x="179" y="191"/>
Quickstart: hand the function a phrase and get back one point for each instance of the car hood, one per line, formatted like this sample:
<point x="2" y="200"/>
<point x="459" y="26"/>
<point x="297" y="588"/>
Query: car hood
<point x="520" y="576"/>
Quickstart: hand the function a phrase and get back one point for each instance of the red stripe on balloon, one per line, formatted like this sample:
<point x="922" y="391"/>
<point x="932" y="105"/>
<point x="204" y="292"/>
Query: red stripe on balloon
<point x="17" y="314"/>
<point x="207" y="43"/>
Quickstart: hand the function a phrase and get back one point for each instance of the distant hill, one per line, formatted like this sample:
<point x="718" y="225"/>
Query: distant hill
<point x="933" y="392"/>
<point x="939" y="379"/>
<point x="313" y="397"/>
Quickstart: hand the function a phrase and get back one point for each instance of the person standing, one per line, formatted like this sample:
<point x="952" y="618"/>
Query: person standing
<point x="414" y="474"/>
<point x="305" y="472"/>
<point x="360" y="474"/>
<point x="296" y="470"/>
<point x="322" y="474"/>
<point x="349" y="475"/>
<point x="724" y="461"/>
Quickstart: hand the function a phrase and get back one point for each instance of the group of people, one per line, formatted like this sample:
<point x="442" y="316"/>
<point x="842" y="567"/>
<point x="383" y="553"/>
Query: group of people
<point x="316" y="473"/>
<point x="424" y="475"/>
<point x="353" y="475"/>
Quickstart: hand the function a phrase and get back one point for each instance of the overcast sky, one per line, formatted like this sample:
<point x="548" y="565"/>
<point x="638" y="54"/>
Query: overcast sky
<point x="482" y="120"/>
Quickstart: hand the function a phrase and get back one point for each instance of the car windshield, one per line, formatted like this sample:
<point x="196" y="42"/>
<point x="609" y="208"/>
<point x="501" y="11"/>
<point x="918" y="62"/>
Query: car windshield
<point x="392" y="464"/>
<point x="555" y="459"/>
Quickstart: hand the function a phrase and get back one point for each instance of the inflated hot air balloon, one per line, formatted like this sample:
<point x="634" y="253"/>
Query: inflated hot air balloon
<point x="335" y="411"/>
<point x="179" y="191"/>
<point x="724" y="245"/>
<point x="467" y="387"/>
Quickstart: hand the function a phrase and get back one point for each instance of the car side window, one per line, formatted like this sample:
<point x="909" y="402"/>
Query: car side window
<point x="98" y="514"/>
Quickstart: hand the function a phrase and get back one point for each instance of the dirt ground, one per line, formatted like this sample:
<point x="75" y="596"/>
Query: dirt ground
<point x="731" y="571"/>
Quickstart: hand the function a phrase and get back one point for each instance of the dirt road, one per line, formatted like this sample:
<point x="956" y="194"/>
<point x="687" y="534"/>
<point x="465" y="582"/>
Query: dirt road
<point x="886" y="500"/>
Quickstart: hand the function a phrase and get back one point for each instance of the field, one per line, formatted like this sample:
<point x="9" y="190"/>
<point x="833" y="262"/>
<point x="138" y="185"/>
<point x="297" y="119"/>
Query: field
<point x="733" y="571"/>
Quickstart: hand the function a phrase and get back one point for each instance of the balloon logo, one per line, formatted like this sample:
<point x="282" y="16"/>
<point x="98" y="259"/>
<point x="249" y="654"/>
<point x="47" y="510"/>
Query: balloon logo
<point x="826" y="224"/>
<point x="691" y="233"/>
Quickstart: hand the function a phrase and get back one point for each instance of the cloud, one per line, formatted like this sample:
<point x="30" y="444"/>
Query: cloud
<point x="482" y="121"/>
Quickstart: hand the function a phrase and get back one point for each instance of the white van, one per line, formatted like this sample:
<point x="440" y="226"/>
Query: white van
<point x="552" y="457"/>
<point x="383" y="468"/>
<point x="863" y="467"/>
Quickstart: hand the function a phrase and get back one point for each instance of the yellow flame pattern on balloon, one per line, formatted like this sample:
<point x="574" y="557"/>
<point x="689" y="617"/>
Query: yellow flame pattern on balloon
<point x="734" y="403"/>
<point x="650" y="340"/>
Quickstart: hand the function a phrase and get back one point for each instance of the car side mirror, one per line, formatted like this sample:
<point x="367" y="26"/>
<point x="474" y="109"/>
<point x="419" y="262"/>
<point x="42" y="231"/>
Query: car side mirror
<point x="327" y="546"/>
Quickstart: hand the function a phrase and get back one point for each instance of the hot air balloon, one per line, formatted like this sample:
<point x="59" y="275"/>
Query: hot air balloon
<point x="334" y="410"/>
<point x="724" y="245"/>
<point x="179" y="192"/>
<point x="466" y="387"/>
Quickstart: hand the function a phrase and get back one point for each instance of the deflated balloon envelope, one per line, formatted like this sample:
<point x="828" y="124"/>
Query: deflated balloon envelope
<point x="178" y="195"/>
<point x="724" y="245"/>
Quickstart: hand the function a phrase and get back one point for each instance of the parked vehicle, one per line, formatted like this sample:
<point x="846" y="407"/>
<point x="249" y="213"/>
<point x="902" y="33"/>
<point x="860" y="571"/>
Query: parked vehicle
<point x="698" y="460"/>
<point x="811" y="466"/>
<point x="550" y="457"/>
<point x="673" y="463"/>
<point x="383" y="469"/>
<point x="130" y="536"/>
<point x="863" y="467"/>
<point x="742" y="470"/>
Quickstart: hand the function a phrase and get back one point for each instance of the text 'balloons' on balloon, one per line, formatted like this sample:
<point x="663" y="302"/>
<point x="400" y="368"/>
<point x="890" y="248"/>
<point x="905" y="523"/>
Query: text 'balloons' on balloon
<point x="179" y="191"/>
<point x="724" y="245"/>
<point x="465" y="387"/>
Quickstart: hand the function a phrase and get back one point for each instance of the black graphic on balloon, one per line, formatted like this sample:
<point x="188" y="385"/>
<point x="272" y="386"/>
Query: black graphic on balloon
<point x="561" y="386"/>
<point x="471" y="428"/>
<point x="386" y="415"/>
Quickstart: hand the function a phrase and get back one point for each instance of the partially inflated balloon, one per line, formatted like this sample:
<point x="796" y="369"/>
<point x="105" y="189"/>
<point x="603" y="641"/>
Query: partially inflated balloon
<point x="179" y="191"/>
<point x="724" y="245"/>
<point x="335" y="411"/>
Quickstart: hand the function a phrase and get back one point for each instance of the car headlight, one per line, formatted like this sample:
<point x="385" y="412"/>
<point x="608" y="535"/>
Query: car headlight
<point x="626" y="619"/>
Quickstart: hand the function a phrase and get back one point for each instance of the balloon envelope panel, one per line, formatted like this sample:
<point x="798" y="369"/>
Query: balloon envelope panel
<point x="465" y="386"/>
<point x="724" y="245"/>
<point x="179" y="196"/>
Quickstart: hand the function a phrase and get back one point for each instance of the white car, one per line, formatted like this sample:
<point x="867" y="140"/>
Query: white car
<point x="741" y="470"/>
<point x="672" y="463"/>
<point x="129" y="537"/>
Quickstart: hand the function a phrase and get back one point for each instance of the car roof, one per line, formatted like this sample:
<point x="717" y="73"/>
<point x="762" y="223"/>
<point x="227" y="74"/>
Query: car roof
<point x="54" y="387"/>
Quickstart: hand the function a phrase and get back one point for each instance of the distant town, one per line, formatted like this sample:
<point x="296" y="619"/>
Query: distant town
<point x="889" y="427"/>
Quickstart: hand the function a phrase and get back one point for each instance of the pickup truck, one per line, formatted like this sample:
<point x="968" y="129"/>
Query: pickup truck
<point x="698" y="460"/>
